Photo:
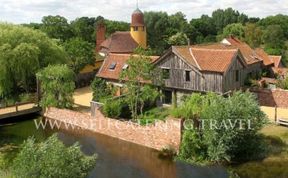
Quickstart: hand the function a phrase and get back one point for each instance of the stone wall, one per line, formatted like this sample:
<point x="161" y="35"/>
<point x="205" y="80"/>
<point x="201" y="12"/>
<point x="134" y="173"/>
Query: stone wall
<point x="157" y="136"/>
<point x="272" y="98"/>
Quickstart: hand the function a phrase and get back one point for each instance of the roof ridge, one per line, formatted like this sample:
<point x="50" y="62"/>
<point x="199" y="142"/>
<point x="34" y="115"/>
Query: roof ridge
<point x="274" y="55"/>
<point x="196" y="62"/>
<point x="211" y="49"/>
<point x="121" y="32"/>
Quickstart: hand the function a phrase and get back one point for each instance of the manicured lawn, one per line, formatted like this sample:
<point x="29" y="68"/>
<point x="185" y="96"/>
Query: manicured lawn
<point x="275" y="165"/>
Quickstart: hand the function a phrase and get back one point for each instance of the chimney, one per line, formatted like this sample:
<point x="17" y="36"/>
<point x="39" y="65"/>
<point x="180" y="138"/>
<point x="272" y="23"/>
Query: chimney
<point x="100" y="35"/>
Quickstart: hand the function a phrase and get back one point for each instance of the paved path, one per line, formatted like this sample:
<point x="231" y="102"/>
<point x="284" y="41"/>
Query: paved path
<point x="83" y="96"/>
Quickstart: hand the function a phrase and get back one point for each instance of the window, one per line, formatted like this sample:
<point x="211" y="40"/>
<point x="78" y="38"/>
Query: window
<point x="112" y="66"/>
<point x="166" y="73"/>
<point x="237" y="75"/>
<point x="167" y="99"/>
<point x="135" y="28"/>
<point x="143" y="29"/>
<point x="187" y="76"/>
<point x="125" y="67"/>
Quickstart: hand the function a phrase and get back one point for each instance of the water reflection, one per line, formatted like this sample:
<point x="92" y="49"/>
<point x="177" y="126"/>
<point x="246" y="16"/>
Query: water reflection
<point x="120" y="159"/>
<point x="116" y="158"/>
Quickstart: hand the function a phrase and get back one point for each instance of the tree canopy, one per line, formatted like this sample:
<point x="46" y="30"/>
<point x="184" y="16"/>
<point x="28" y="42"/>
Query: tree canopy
<point x="139" y="69"/>
<point x="56" y="27"/>
<point x="51" y="159"/>
<point x="57" y="86"/>
<point x="23" y="51"/>
<point x="161" y="28"/>
<point x="222" y="129"/>
<point x="80" y="53"/>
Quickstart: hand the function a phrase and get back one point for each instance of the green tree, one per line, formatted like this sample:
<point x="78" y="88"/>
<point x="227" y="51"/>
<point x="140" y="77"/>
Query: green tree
<point x="23" y="51"/>
<point x="222" y="18"/>
<point x="177" y="23"/>
<point x="273" y="38"/>
<point x="178" y="39"/>
<point x="148" y="96"/>
<point x="223" y="141"/>
<point x="100" y="89"/>
<point x="57" y="86"/>
<point x="51" y="159"/>
<point x="140" y="70"/>
<point x="281" y="20"/>
<point x="80" y="53"/>
<point x="113" y="26"/>
<point x="203" y="27"/>
<point x="235" y="29"/>
<point x="84" y="28"/>
<point x="253" y="35"/>
<point x="157" y="34"/>
<point x="56" y="27"/>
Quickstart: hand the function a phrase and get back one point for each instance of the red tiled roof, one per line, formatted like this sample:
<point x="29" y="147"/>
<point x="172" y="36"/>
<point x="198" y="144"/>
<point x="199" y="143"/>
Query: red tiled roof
<point x="206" y="58"/>
<point x="120" y="60"/>
<point x="280" y="71"/>
<point x="264" y="56"/>
<point x="119" y="42"/>
<point x="276" y="60"/>
<point x="248" y="53"/>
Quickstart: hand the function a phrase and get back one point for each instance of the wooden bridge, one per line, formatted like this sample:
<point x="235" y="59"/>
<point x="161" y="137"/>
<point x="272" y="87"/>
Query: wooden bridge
<point x="19" y="109"/>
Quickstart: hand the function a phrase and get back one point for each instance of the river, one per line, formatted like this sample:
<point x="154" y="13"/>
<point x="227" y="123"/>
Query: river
<point x="116" y="158"/>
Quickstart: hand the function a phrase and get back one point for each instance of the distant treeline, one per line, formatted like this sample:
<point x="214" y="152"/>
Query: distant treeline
<point x="165" y="30"/>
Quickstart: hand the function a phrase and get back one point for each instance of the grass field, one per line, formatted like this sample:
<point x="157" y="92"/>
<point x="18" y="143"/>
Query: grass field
<point x="276" y="164"/>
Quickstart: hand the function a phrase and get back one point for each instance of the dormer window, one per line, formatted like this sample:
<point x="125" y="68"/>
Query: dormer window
<point x="125" y="66"/>
<point x="112" y="66"/>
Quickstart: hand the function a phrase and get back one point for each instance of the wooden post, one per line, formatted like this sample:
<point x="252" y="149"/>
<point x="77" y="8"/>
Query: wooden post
<point x="276" y="114"/>
<point x="38" y="91"/>
<point x="174" y="99"/>
<point x="16" y="105"/>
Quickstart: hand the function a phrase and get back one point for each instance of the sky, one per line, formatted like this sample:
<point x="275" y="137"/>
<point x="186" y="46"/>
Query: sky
<point x="26" y="11"/>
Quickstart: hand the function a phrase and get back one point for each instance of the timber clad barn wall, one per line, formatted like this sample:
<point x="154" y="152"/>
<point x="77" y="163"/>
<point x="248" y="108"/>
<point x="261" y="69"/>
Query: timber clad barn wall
<point x="230" y="77"/>
<point x="201" y="81"/>
<point x="272" y="98"/>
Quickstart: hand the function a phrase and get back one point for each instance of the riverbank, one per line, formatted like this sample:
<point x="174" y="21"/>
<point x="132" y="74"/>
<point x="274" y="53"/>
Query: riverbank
<point x="157" y="136"/>
<point x="116" y="158"/>
<point x="275" y="164"/>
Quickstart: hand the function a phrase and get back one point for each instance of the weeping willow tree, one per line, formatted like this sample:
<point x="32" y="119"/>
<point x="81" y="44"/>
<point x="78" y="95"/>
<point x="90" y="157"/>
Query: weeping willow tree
<point x="57" y="86"/>
<point x="23" y="51"/>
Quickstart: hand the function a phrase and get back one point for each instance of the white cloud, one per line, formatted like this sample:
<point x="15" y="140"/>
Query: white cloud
<point x="24" y="11"/>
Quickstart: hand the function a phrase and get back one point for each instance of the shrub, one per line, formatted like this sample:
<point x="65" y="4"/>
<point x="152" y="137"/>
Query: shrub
<point x="25" y="97"/>
<point x="51" y="159"/>
<point x="220" y="143"/>
<point x="283" y="83"/>
<point x="57" y="85"/>
<point x="153" y="115"/>
<point x="100" y="89"/>
<point x="112" y="108"/>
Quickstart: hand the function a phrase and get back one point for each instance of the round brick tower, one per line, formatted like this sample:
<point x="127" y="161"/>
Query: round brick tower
<point x="138" y="28"/>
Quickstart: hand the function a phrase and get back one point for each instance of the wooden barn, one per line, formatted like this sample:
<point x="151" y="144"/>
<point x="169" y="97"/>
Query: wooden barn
<point x="188" y="69"/>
